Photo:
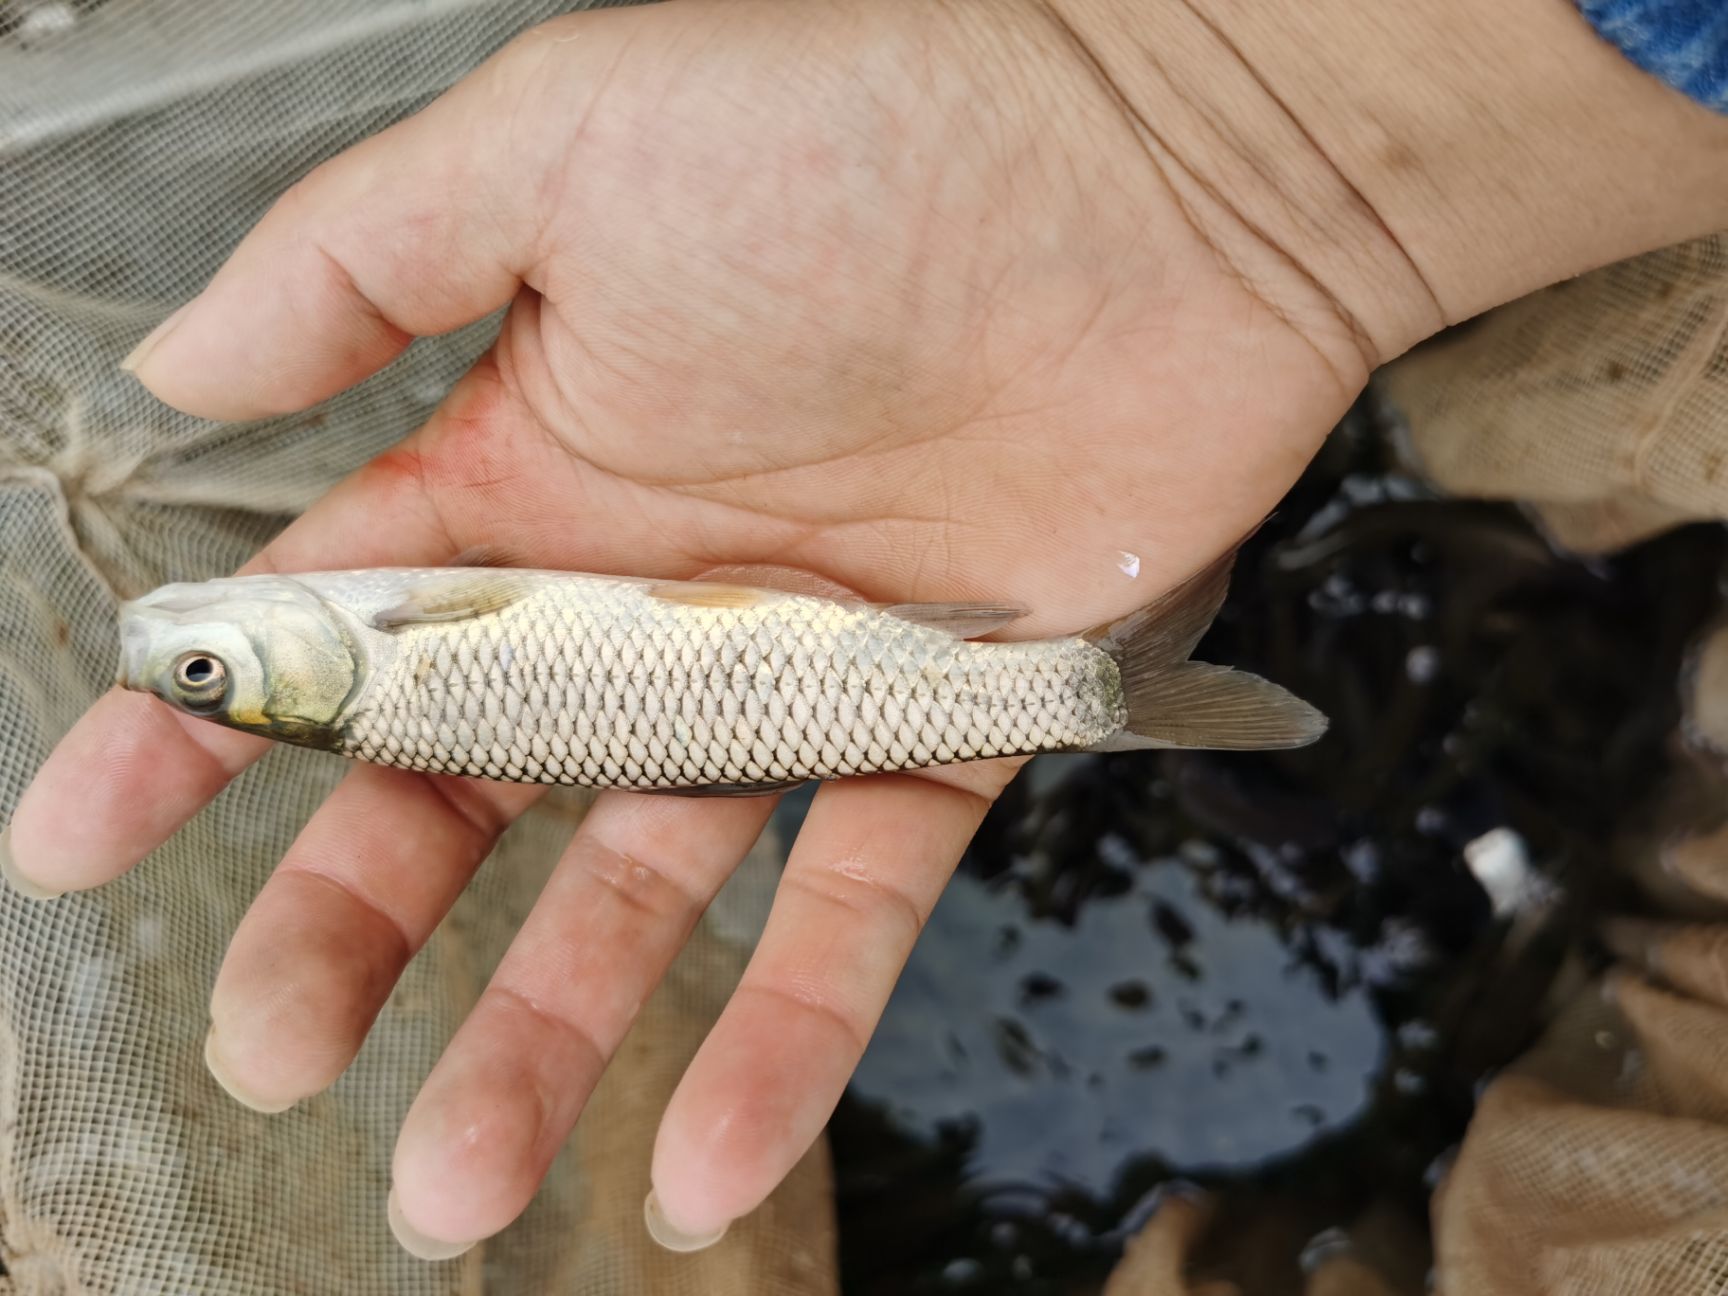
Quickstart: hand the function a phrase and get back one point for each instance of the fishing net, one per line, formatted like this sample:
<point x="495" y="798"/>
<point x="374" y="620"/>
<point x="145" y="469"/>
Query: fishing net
<point x="139" y="139"/>
<point x="1597" y="1164"/>
<point x="1601" y="402"/>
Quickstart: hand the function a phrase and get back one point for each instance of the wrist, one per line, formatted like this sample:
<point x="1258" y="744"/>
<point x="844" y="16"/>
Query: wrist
<point x="1379" y="171"/>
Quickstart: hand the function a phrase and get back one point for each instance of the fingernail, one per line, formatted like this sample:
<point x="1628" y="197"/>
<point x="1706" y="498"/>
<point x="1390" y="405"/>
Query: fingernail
<point x="14" y="876"/>
<point x="669" y="1235"/>
<point x="218" y="1068"/>
<point x="138" y="354"/>
<point x="416" y="1243"/>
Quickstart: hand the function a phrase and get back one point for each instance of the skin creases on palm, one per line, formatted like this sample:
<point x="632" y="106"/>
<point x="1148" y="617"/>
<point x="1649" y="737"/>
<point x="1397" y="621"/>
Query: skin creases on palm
<point x="889" y="294"/>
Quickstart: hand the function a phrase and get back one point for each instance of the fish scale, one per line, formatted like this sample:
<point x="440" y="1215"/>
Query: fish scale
<point x="603" y="684"/>
<point x="557" y="677"/>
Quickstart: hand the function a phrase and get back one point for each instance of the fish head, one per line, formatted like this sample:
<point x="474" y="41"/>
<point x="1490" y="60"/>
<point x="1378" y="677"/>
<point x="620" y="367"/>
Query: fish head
<point x="259" y="653"/>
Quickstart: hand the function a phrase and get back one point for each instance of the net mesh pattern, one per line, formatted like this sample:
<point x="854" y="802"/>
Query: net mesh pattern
<point x="1597" y="1165"/>
<point x="1600" y="402"/>
<point x="139" y="140"/>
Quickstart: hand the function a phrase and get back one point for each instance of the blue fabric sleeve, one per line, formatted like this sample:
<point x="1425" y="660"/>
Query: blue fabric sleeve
<point x="1684" y="42"/>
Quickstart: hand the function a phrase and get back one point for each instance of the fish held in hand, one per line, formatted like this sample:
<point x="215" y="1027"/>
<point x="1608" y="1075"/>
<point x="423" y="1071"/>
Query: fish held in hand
<point x="688" y="687"/>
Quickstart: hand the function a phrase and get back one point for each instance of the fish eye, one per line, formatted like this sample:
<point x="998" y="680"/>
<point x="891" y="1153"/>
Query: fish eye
<point x="200" y="680"/>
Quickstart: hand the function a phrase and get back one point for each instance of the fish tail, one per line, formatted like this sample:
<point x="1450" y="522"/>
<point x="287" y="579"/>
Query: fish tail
<point x="1175" y="702"/>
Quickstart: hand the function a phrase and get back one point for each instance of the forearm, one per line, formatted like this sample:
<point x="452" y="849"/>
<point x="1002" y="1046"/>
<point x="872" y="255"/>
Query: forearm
<point x="1407" y="165"/>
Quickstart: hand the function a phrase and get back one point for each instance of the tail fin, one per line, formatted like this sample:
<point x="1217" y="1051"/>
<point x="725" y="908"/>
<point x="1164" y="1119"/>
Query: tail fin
<point x="1174" y="702"/>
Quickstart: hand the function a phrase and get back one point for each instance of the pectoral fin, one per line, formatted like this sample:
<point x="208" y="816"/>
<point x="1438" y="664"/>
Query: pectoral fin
<point x="453" y="596"/>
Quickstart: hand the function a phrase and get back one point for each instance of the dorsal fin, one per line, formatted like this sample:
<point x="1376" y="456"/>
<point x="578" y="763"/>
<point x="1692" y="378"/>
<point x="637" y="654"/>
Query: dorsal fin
<point x="1165" y="631"/>
<point x="786" y="580"/>
<point x="711" y="594"/>
<point x="962" y="620"/>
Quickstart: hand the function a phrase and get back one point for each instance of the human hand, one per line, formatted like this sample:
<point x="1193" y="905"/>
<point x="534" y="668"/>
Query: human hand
<point x="902" y="295"/>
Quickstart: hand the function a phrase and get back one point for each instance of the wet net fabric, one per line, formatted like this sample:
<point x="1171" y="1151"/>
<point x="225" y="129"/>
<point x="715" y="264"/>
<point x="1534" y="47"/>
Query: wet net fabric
<point x="1597" y="1164"/>
<point x="139" y="139"/>
<point x="1156" y="1262"/>
<point x="1600" y="402"/>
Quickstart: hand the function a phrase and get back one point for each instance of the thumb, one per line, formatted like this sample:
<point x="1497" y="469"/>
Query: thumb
<point x="418" y="230"/>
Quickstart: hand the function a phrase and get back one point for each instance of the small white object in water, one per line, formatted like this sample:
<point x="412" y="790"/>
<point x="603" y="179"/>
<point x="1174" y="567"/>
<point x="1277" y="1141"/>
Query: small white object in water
<point x="1129" y="563"/>
<point x="1501" y="864"/>
<point x="1422" y="664"/>
<point x="1323" y="1248"/>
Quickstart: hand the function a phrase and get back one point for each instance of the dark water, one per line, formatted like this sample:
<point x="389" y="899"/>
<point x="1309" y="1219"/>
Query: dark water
<point x="1274" y="975"/>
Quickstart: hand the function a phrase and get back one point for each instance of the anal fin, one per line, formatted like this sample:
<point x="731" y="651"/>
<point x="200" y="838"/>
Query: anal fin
<point x="725" y="789"/>
<point x="962" y="620"/>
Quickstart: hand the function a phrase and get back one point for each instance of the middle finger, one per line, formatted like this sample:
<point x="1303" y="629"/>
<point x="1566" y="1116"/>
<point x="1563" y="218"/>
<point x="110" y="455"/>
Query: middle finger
<point x="505" y="1095"/>
<point x="356" y="896"/>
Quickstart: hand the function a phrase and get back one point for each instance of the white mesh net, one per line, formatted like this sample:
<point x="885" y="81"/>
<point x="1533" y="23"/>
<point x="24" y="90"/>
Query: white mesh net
<point x="1601" y="401"/>
<point x="1597" y="1165"/>
<point x="139" y="139"/>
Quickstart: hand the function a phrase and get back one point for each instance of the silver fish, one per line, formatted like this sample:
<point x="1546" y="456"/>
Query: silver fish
<point x="687" y="687"/>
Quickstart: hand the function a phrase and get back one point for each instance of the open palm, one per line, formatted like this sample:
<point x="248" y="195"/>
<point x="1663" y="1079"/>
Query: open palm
<point x="892" y="294"/>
